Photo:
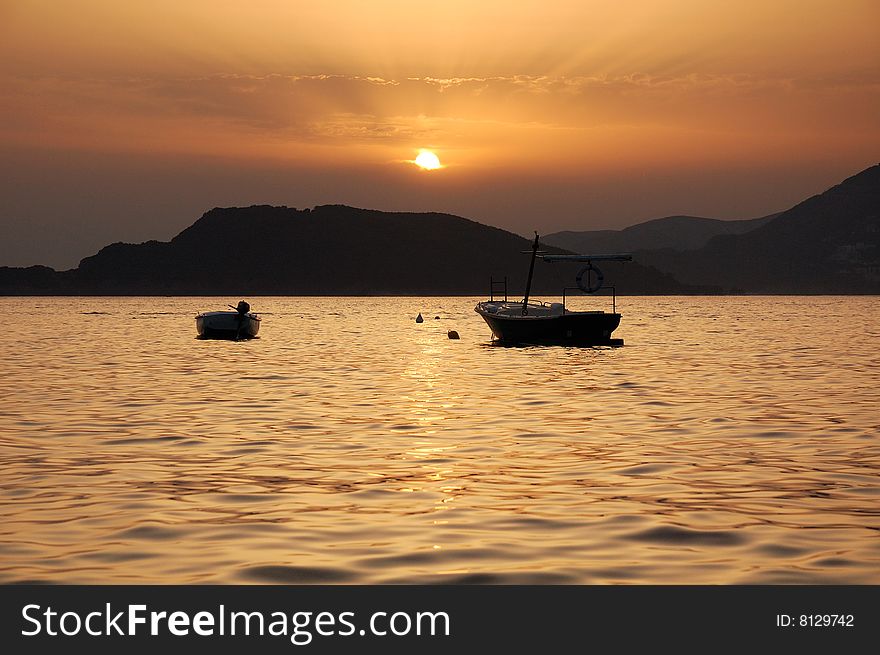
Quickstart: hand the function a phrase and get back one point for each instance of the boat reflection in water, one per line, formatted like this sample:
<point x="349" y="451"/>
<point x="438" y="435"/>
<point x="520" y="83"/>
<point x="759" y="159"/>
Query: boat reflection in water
<point x="531" y="322"/>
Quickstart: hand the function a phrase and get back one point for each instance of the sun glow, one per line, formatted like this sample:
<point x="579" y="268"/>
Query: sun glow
<point x="427" y="160"/>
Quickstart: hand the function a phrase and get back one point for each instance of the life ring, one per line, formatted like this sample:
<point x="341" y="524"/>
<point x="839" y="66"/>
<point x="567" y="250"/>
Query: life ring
<point x="587" y="288"/>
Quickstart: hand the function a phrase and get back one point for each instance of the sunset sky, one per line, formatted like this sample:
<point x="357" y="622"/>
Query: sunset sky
<point x="125" y="121"/>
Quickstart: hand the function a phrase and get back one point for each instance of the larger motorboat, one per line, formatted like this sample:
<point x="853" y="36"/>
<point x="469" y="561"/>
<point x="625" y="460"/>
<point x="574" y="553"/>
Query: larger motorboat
<point x="531" y="322"/>
<point x="238" y="324"/>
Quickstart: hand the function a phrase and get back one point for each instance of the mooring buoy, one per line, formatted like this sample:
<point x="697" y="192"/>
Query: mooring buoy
<point x="419" y="319"/>
<point x="452" y="334"/>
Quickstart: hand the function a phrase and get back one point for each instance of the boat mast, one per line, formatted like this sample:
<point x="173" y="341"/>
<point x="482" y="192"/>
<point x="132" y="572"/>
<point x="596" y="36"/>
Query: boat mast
<point x="525" y="309"/>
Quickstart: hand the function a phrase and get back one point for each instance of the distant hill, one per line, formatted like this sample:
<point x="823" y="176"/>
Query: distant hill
<point x="675" y="232"/>
<point x="329" y="250"/>
<point x="829" y="243"/>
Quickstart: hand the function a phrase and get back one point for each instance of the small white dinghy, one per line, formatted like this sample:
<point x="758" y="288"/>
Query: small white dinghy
<point x="240" y="324"/>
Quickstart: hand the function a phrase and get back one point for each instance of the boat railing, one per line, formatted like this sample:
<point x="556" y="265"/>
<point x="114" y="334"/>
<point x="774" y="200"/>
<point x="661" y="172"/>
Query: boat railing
<point x="609" y="286"/>
<point x="493" y="283"/>
<point x="530" y="303"/>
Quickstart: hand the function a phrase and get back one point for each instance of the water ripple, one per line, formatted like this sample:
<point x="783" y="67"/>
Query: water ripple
<point x="728" y="442"/>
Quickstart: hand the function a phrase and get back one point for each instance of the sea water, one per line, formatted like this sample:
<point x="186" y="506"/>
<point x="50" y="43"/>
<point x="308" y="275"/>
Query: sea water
<point x="731" y="440"/>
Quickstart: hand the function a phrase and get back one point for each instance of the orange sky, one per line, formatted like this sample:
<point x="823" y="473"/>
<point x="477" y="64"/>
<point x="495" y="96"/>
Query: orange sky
<point x="127" y="120"/>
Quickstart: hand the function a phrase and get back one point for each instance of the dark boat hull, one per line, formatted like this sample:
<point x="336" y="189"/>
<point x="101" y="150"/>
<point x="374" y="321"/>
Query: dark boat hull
<point x="573" y="328"/>
<point x="232" y="335"/>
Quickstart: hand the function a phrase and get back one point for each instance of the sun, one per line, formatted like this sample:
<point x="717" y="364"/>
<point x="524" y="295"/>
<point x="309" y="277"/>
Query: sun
<point x="427" y="160"/>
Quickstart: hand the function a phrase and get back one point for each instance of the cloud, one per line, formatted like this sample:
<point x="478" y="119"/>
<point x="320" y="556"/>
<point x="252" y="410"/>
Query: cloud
<point x="237" y="112"/>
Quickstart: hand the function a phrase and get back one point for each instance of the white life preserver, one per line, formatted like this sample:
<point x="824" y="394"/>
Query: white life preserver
<point x="600" y="278"/>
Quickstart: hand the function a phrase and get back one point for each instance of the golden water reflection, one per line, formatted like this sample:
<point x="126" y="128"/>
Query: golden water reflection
<point x="350" y="444"/>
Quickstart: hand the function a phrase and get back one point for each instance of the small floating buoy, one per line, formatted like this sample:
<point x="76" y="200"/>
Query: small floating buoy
<point x="452" y="334"/>
<point x="436" y="318"/>
<point x="419" y="319"/>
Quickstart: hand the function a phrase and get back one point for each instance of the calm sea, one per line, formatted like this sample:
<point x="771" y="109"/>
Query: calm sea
<point x="732" y="440"/>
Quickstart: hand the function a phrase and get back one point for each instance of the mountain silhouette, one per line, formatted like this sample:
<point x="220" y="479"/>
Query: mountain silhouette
<point x="829" y="243"/>
<point x="328" y="250"/>
<point x="675" y="232"/>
